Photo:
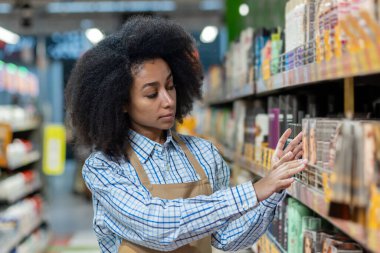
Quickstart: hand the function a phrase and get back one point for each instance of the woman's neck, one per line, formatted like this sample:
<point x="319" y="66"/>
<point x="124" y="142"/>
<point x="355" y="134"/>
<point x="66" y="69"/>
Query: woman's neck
<point x="158" y="136"/>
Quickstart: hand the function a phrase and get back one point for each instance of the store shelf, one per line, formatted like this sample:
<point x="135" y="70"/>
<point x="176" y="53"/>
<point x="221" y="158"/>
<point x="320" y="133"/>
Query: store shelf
<point x="8" y="246"/>
<point x="17" y="195"/>
<point x="316" y="201"/>
<point x="249" y="165"/>
<point x="26" y="126"/>
<point x="267" y="243"/>
<point x="348" y="65"/>
<point x="337" y="68"/>
<point x="275" y="242"/>
<point x="44" y="244"/>
<point x="227" y="153"/>
<point x="27" y="159"/>
<point x="39" y="246"/>
<point x="247" y="90"/>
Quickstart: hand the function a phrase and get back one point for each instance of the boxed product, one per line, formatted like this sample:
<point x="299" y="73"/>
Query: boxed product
<point x="345" y="247"/>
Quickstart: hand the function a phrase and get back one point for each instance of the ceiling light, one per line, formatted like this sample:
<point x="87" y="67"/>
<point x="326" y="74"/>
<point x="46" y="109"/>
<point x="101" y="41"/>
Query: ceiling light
<point x="94" y="35"/>
<point x="208" y="34"/>
<point x="8" y="36"/>
<point x="110" y="6"/>
<point x="5" y="8"/>
<point x="211" y="5"/>
<point x="244" y="9"/>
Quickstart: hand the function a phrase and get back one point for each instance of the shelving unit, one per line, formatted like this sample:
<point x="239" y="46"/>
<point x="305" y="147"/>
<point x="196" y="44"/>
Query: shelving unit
<point x="21" y="205"/>
<point x="336" y="68"/>
<point x="268" y="243"/>
<point x="246" y="91"/>
<point x="20" y="183"/>
<point x="315" y="201"/>
<point x="8" y="197"/>
<point x="29" y="158"/>
<point x="320" y="76"/>
<point x="274" y="241"/>
<point x="36" y="242"/>
<point x="304" y="76"/>
<point x="29" y="125"/>
<point x="17" y="239"/>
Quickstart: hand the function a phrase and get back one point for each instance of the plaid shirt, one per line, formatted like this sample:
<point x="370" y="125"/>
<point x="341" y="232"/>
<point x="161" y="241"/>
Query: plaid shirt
<point x="125" y="209"/>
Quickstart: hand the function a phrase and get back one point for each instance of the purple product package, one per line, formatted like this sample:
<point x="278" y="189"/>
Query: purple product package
<point x="274" y="127"/>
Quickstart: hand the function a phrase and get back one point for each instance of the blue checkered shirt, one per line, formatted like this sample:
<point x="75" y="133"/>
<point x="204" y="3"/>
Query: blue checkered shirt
<point x="125" y="209"/>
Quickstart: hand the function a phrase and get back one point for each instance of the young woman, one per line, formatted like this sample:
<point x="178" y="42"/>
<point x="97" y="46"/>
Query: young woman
<point x="153" y="189"/>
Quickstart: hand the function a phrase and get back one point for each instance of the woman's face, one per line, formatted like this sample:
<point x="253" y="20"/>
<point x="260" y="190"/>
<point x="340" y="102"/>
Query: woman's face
<point x="152" y="104"/>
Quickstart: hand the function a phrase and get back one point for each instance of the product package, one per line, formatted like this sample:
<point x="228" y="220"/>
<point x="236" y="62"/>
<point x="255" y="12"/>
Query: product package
<point x="345" y="248"/>
<point x="296" y="211"/>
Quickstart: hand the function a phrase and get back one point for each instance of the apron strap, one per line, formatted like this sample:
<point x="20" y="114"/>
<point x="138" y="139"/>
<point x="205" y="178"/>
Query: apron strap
<point x="194" y="162"/>
<point x="135" y="162"/>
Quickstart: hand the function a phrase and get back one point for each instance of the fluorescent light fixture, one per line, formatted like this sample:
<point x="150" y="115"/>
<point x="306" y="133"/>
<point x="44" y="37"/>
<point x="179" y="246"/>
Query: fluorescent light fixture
<point x="211" y="5"/>
<point x="110" y="6"/>
<point x="94" y="35"/>
<point x="5" y="8"/>
<point x="208" y="34"/>
<point x="8" y="36"/>
<point x="244" y="9"/>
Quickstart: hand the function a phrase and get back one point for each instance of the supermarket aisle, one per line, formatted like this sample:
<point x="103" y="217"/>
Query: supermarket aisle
<point x="69" y="216"/>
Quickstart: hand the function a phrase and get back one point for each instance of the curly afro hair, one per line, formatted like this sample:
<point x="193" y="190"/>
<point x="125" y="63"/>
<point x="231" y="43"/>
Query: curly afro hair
<point x="99" y="85"/>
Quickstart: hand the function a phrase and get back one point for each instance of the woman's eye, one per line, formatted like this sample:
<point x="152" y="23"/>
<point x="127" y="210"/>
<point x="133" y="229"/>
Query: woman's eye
<point x="171" y="87"/>
<point x="152" y="95"/>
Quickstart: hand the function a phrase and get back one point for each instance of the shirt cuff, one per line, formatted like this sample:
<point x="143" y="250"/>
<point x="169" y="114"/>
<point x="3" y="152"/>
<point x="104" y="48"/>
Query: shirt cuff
<point x="243" y="197"/>
<point x="274" y="200"/>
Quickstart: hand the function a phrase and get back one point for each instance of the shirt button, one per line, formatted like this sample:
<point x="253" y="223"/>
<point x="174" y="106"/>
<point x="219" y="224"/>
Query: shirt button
<point x="245" y="207"/>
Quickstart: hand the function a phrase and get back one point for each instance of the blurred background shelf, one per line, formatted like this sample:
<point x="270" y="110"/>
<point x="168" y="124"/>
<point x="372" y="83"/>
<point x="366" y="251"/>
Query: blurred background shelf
<point x="15" y="240"/>
<point x="29" y="158"/>
<point x="26" y="126"/>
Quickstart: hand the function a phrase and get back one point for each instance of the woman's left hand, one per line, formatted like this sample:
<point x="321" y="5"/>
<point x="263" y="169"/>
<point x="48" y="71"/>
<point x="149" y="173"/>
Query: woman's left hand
<point x="295" y="146"/>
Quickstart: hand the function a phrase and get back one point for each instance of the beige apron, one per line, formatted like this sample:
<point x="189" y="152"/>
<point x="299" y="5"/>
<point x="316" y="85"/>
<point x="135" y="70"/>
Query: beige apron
<point x="172" y="191"/>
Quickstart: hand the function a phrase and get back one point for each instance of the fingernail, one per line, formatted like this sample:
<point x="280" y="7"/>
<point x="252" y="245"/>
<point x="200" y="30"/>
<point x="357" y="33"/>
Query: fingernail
<point x="305" y="161"/>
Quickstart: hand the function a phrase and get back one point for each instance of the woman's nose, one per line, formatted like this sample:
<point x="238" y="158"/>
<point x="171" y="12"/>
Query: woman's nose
<point x="167" y="99"/>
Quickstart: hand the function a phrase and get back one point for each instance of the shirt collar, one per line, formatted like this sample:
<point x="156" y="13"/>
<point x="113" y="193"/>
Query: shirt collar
<point x="170" y="141"/>
<point x="144" y="147"/>
<point x="174" y="142"/>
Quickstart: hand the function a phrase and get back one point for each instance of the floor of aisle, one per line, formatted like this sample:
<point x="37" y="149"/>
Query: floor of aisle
<point x="69" y="216"/>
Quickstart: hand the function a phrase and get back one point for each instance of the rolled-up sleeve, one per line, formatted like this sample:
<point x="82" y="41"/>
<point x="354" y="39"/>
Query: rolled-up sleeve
<point x="247" y="229"/>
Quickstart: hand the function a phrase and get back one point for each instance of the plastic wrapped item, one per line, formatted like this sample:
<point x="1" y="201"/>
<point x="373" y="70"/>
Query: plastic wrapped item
<point x="17" y="150"/>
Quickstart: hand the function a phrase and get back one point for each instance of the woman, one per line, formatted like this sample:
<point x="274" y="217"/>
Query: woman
<point x="154" y="190"/>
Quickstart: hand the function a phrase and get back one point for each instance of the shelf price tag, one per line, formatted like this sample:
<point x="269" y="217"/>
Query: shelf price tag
<point x="5" y="139"/>
<point x="338" y="49"/>
<point x="374" y="209"/>
<point x="318" y="49"/>
<point x="54" y="150"/>
<point x="352" y="45"/>
<point x="327" y="46"/>
<point x="326" y="187"/>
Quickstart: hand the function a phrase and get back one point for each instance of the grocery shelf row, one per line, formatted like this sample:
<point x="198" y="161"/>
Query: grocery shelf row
<point x="346" y="66"/>
<point x="313" y="199"/>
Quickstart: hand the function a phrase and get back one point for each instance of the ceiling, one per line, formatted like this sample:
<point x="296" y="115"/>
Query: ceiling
<point x="40" y="17"/>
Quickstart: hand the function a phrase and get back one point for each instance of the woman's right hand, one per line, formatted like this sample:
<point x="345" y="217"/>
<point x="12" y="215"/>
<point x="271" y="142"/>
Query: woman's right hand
<point x="280" y="178"/>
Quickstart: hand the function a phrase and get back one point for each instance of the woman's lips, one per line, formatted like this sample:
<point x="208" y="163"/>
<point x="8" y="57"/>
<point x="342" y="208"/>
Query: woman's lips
<point x="167" y="117"/>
